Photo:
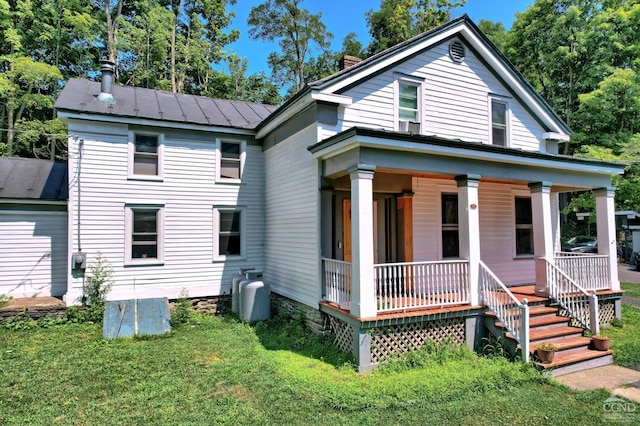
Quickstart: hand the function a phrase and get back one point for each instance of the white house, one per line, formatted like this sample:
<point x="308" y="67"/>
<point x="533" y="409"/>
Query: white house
<point x="33" y="228"/>
<point x="399" y="199"/>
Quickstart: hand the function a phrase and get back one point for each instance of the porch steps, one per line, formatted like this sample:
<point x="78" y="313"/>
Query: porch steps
<point x="546" y="325"/>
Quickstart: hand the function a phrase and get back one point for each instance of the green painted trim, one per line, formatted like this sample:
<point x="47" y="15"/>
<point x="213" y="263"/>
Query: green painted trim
<point x="467" y="180"/>
<point x="355" y="132"/>
<point x="540" y="186"/>
<point x="604" y="190"/>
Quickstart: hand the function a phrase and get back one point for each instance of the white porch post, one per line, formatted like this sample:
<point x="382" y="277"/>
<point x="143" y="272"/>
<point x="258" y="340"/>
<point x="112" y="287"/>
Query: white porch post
<point x="363" y="299"/>
<point x="606" y="230"/>
<point x="542" y="233"/>
<point x="469" y="230"/>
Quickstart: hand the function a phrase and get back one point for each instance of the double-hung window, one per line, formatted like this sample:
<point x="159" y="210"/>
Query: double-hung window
<point x="144" y="234"/>
<point x="231" y="157"/>
<point x="229" y="233"/>
<point x="524" y="226"/>
<point x="499" y="122"/>
<point x="145" y="156"/>
<point x="450" y="226"/>
<point x="409" y="114"/>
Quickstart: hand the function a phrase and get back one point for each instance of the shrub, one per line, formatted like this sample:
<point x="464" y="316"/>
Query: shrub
<point x="181" y="313"/>
<point x="4" y="300"/>
<point x="95" y="288"/>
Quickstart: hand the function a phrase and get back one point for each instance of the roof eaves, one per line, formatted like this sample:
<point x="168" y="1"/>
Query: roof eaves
<point x="455" y="143"/>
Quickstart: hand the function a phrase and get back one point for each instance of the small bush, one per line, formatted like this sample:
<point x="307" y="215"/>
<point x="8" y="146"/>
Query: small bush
<point x="4" y="300"/>
<point x="96" y="287"/>
<point x="181" y="313"/>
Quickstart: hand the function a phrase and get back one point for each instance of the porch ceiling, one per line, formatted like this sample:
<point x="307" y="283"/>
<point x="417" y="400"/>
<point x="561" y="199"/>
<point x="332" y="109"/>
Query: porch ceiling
<point x="427" y="154"/>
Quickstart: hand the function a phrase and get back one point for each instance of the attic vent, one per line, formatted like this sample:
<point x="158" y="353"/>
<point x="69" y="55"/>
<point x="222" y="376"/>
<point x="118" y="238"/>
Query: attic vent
<point x="456" y="51"/>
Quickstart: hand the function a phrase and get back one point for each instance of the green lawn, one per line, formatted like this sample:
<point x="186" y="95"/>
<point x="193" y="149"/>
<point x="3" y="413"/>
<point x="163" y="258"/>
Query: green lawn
<point x="632" y="290"/>
<point x="220" y="371"/>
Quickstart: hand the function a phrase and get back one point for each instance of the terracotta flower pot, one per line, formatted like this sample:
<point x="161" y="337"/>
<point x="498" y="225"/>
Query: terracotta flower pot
<point x="600" y="343"/>
<point x="545" y="357"/>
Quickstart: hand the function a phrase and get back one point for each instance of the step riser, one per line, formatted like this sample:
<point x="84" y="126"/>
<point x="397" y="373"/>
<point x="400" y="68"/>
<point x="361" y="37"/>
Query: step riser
<point x="548" y="326"/>
<point x="554" y="339"/>
<point x="581" y="366"/>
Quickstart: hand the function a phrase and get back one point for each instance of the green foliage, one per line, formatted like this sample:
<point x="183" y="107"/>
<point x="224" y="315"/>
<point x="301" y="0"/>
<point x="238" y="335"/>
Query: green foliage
<point x="399" y="20"/>
<point x="183" y="310"/>
<point x="225" y="374"/>
<point x="4" y="300"/>
<point x="431" y="353"/>
<point x="624" y="338"/>
<point x="495" y="31"/>
<point x="95" y="288"/>
<point x="298" y="32"/>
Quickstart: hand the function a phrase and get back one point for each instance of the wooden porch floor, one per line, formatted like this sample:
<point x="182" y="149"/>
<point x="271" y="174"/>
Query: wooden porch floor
<point x="520" y="292"/>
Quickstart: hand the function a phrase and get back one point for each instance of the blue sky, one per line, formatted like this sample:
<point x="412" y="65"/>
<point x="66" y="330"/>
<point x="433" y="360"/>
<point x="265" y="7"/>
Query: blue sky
<point x="344" y="16"/>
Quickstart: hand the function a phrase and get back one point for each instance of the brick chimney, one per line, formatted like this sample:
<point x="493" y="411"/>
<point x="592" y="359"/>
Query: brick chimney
<point x="348" y="61"/>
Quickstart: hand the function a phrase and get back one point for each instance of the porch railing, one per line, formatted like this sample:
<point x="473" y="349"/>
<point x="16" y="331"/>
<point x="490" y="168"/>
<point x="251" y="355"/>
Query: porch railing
<point x="580" y="305"/>
<point x="337" y="281"/>
<point x="507" y="308"/>
<point x="421" y="284"/>
<point x="590" y="271"/>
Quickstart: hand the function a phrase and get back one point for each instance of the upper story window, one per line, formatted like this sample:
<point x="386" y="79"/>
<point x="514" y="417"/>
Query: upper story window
<point x="499" y="122"/>
<point x="230" y="160"/>
<point x="409" y="114"/>
<point x="145" y="156"/>
<point x="524" y="226"/>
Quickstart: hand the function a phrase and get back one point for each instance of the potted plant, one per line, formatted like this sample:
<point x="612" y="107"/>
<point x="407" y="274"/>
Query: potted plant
<point x="546" y="351"/>
<point x="600" y="342"/>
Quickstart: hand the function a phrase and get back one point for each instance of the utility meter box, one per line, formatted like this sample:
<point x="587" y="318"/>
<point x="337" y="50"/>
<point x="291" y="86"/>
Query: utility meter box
<point x="79" y="260"/>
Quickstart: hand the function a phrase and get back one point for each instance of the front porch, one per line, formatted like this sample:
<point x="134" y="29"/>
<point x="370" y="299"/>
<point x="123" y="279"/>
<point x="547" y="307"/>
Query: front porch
<point x="421" y="301"/>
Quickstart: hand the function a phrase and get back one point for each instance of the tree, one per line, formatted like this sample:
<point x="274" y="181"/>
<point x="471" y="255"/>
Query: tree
<point x="352" y="47"/>
<point x="298" y="33"/>
<point x="495" y="31"/>
<point x="399" y="20"/>
<point x="238" y="86"/>
<point x="26" y="90"/>
<point x="548" y="44"/>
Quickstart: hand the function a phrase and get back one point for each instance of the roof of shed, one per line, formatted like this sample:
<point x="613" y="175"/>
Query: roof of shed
<point x="81" y="96"/>
<point x="31" y="178"/>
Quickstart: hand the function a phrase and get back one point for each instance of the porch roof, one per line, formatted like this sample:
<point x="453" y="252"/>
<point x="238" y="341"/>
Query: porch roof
<point x="421" y="153"/>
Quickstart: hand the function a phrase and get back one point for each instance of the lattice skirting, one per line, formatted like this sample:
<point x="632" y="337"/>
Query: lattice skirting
<point x="606" y="313"/>
<point x="343" y="334"/>
<point x="390" y="341"/>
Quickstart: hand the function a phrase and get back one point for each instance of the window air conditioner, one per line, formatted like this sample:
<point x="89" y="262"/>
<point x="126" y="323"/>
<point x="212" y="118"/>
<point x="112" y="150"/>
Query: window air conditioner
<point x="409" y="126"/>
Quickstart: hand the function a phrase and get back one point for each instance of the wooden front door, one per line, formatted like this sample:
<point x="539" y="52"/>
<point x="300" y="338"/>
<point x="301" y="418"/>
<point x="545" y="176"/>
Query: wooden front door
<point x="346" y="231"/>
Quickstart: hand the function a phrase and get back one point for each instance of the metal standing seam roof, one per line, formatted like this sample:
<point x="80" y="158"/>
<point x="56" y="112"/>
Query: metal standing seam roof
<point x="30" y="178"/>
<point x="81" y="96"/>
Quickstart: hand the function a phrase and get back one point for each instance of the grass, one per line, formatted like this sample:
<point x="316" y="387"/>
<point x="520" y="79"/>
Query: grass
<point x="631" y="290"/>
<point x="625" y="338"/>
<point x="216" y="370"/>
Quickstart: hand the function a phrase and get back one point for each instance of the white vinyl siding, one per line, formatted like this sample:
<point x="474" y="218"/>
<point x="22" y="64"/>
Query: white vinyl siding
<point x="33" y="253"/>
<point x="188" y="193"/>
<point x="497" y="231"/>
<point x="454" y="101"/>
<point x="292" y="223"/>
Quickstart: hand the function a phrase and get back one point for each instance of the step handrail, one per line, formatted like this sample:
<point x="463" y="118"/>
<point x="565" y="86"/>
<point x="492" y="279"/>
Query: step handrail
<point x="506" y="307"/>
<point x="580" y="305"/>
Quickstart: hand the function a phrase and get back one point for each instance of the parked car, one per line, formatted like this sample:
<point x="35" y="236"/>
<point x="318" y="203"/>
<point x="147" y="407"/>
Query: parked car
<point x="581" y="244"/>
<point x="586" y="244"/>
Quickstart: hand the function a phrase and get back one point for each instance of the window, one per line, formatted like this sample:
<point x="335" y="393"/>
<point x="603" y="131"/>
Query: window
<point x="524" y="226"/>
<point x="230" y="160"/>
<point x="499" y="123"/>
<point x="145" y="156"/>
<point x="450" y="235"/>
<point x="144" y="239"/>
<point x="409" y="106"/>
<point x="229" y="233"/>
